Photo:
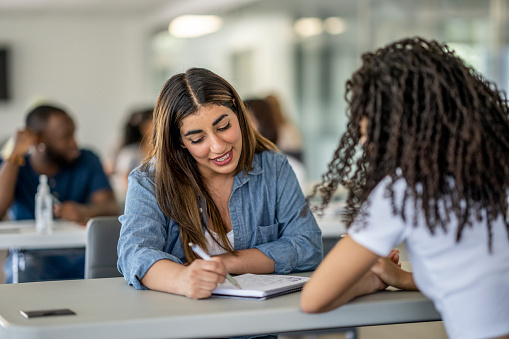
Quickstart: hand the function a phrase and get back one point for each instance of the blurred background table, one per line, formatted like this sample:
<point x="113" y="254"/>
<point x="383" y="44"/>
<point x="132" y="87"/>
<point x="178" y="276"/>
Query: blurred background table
<point x="21" y="235"/>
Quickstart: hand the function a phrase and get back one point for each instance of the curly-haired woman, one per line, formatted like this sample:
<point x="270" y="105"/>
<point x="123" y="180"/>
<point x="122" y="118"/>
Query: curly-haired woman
<point x="433" y="173"/>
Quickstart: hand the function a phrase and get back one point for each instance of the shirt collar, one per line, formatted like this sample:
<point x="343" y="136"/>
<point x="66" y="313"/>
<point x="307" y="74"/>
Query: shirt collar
<point x="241" y="178"/>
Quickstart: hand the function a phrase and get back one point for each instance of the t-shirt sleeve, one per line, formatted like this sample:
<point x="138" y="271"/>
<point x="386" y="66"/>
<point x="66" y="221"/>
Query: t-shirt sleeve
<point x="381" y="230"/>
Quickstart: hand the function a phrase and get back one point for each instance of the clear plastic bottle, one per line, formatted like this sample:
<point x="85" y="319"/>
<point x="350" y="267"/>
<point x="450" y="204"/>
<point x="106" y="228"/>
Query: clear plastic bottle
<point x="43" y="206"/>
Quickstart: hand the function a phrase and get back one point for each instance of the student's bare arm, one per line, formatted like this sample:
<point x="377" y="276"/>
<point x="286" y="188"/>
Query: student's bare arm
<point x="343" y="275"/>
<point x="9" y="170"/>
<point x="102" y="203"/>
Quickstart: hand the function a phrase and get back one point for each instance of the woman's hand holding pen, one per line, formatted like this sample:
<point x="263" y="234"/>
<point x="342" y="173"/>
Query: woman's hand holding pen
<point x="200" y="278"/>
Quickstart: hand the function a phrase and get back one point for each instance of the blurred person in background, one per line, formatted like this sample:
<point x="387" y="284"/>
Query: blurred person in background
<point x="289" y="136"/>
<point x="135" y="148"/>
<point x="263" y="118"/>
<point x="76" y="178"/>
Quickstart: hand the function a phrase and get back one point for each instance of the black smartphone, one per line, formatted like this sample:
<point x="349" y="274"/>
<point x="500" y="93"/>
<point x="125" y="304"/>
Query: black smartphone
<point x="46" y="313"/>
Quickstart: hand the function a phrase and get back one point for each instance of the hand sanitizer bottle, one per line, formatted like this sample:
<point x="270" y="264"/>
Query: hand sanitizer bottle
<point x="43" y="206"/>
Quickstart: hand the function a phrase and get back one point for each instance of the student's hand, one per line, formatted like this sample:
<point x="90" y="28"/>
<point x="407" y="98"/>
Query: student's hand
<point x="22" y="142"/>
<point x="394" y="257"/>
<point x="376" y="283"/>
<point x="200" y="278"/>
<point x="72" y="211"/>
<point x="392" y="274"/>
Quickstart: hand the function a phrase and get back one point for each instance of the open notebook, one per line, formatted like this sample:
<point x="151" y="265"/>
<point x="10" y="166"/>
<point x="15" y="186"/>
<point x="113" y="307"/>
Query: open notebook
<point x="260" y="287"/>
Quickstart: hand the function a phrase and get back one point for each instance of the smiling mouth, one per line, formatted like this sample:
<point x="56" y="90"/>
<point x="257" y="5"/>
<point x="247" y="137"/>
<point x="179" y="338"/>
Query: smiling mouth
<point x="224" y="157"/>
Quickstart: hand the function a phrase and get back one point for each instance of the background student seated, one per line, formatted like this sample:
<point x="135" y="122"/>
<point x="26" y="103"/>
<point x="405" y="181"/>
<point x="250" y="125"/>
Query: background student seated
<point x="262" y="116"/>
<point x="134" y="149"/>
<point x="47" y="146"/>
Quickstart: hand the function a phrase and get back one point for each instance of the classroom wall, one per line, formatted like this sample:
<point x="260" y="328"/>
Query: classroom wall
<point x="94" y="65"/>
<point x="265" y="59"/>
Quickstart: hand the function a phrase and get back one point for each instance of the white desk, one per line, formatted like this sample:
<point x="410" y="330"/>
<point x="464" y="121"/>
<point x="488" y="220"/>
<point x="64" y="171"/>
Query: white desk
<point x="109" y="308"/>
<point x="22" y="234"/>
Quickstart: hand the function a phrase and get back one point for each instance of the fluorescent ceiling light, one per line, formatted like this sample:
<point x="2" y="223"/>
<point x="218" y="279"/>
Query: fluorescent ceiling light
<point x="334" y="25"/>
<point x="307" y="27"/>
<point x="192" y="26"/>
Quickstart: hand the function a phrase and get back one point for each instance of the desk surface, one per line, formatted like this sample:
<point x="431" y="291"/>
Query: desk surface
<point x="22" y="234"/>
<point x="109" y="308"/>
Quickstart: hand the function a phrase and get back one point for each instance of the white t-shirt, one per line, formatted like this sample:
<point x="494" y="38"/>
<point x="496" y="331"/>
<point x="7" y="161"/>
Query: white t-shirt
<point x="468" y="285"/>
<point x="212" y="247"/>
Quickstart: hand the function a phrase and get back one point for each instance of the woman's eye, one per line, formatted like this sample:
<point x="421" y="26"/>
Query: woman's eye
<point x="196" y="141"/>
<point x="224" y="128"/>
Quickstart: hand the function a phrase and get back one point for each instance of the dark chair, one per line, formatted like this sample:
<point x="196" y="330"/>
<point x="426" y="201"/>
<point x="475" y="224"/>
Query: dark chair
<point x="101" y="250"/>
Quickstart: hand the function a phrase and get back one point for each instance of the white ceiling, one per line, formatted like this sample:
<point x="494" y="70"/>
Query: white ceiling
<point x="81" y="6"/>
<point x="120" y="7"/>
<point x="158" y="7"/>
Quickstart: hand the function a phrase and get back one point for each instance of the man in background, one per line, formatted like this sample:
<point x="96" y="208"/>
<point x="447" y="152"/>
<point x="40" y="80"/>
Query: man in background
<point x="76" y="179"/>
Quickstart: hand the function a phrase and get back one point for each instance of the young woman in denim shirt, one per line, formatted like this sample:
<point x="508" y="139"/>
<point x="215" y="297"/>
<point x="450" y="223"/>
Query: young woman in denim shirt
<point x="211" y="180"/>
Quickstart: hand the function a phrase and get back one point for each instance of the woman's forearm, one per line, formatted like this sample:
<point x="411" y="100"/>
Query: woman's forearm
<point x="162" y="276"/>
<point x="339" y="279"/>
<point x="369" y="283"/>
<point x="248" y="261"/>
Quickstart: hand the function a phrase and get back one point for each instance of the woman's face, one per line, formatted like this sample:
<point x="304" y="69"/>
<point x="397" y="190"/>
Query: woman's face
<point x="213" y="137"/>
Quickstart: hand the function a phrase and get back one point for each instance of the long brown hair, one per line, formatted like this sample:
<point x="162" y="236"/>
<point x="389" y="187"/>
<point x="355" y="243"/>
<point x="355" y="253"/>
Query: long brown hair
<point x="430" y="119"/>
<point x="180" y="188"/>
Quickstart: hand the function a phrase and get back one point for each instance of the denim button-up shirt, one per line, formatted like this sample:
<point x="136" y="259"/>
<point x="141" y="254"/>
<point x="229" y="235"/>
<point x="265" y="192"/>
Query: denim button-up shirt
<point x="265" y="209"/>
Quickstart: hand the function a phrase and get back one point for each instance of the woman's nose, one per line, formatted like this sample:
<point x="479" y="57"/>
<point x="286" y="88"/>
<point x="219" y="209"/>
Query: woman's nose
<point x="217" y="145"/>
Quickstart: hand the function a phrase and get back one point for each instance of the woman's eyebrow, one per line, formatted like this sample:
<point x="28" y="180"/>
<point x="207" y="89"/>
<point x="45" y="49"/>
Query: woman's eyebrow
<point x="218" y="120"/>
<point x="196" y="131"/>
<point x="193" y="131"/>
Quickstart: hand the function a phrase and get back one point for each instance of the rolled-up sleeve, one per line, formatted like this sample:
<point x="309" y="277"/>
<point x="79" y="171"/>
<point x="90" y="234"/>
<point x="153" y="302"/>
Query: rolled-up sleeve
<point x="144" y="232"/>
<point x="299" y="245"/>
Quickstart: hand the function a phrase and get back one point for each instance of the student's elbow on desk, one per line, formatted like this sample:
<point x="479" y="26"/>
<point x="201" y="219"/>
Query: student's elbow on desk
<point x="4" y="206"/>
<point x="312" y="303"/>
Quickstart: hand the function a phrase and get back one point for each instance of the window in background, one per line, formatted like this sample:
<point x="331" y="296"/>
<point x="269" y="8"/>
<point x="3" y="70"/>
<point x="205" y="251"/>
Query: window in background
<point x="309" y="70"/>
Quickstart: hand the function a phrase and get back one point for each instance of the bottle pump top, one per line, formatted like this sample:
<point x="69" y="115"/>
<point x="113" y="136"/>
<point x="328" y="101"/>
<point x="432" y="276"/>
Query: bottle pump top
<point x="43" y="184"/>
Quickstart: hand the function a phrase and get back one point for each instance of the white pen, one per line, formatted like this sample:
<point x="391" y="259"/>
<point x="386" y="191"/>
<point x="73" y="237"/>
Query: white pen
<point x="198" y="250"/>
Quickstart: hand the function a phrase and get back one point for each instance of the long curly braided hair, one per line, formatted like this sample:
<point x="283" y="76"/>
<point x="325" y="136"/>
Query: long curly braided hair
<point x="430" y="120"/>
